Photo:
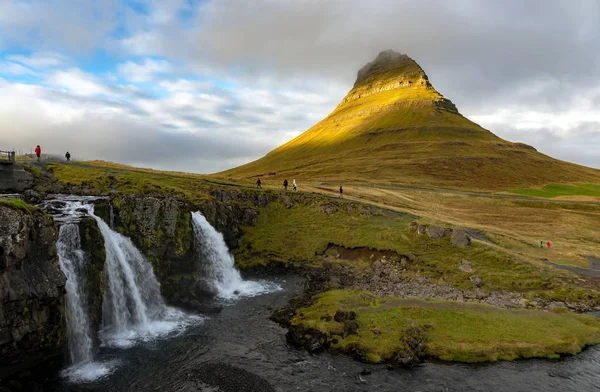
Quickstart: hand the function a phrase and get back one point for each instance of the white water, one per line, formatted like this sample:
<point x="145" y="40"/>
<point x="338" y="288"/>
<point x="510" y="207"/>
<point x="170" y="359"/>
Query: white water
<point x="79" y="334"/>
<point x="220" y="269"/>
<point x="132" y="308"/>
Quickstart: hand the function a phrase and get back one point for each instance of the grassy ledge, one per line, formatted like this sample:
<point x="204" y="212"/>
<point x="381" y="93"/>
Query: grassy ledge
<point x="17" y="204"/>
<point x="454" y="331"/>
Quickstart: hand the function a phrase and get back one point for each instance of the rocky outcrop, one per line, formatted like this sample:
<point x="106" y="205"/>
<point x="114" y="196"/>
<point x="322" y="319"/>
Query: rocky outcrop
<point x="92" y="244"/>
<point x="14" y="178"/>
<point x="458" y="237"/>
<point x="160" y="226"/>
<point x="31" y="288"/>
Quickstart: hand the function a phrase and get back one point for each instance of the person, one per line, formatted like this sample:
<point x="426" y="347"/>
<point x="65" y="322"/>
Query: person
<point x="258" y="184"/>
<point x="542" y="244"/>
<point x="294" y="184"/>
<point x="548" y="244"/>
<point x="68" y="156"/>
<point x="341" y="192"/>
<point x="285" y="184"/>
<point x="38" y="152"/>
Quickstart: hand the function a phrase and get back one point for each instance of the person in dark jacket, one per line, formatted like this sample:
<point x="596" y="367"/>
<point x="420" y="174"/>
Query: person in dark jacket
<point x="258" y="184"/>
<point x="68" y="156"/>
<point x="285" y="184"/>
<point x="38" y="152"/>
<point x="341" y="192"/>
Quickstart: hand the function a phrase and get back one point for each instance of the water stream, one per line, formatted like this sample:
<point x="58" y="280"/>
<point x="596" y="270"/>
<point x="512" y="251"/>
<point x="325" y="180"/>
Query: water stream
<point x="219" y="265"/>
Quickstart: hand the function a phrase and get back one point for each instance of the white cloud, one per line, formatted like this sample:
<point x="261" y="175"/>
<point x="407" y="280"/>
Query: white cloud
<point x="145" y="71"/>
<point x="77" y="82"/>
<point x="10" y="68"/>
<point x="40" y="60"/>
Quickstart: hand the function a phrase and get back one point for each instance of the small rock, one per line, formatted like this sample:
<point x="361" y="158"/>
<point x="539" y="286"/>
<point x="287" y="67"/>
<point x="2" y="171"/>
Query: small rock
<point x="465" y="266"/>
<point x="351" y="327"/>
<point x="476" y="280"/>
<point x="556" y="305"/>
<point x="421" y="230"/>
<point x="295" y="335"/>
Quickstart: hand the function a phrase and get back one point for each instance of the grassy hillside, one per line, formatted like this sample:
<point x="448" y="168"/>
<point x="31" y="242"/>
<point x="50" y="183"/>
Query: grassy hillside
<point x="394" y="128"/>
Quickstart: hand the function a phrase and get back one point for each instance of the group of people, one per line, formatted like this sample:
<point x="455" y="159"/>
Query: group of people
<point x="38" y="153"/>
<point x="294" y="186"/>
<point x="542" y="243"/>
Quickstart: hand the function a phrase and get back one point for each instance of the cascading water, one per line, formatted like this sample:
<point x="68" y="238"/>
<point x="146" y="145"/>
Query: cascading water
<point x="79" y="334"/>
<point x="133" y="308"/>
<point x="220" y="269"/>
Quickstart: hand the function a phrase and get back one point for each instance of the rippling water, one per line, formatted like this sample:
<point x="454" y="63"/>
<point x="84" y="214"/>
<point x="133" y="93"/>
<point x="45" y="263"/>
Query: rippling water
<point x="241" y="335"/>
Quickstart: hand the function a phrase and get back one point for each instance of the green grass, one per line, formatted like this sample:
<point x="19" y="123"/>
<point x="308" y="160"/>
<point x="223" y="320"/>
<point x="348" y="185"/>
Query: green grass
<point x="17" y="204"/>
<point x="106" y="176"/>
<point x="299" y="234"/>
<point x="455" y="331"/>
<point x="556" y="190"/>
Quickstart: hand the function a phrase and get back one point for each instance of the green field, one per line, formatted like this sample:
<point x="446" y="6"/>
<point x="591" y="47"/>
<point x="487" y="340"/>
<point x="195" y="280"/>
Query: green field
<point x="556" y="190"/>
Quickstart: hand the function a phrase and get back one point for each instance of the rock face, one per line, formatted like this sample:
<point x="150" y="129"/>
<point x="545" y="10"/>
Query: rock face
<point x="160" y="226"/>
<point x="14" y="178"/>
<point x="92" y="244"/>
<point x="31" y="288"/>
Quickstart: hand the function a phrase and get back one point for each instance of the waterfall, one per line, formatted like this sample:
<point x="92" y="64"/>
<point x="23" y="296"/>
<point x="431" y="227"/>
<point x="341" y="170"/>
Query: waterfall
<point x="80" y="348"/>
<point x="72" y="259"/>
<point x="132" y="308"/>
<point x="220" y="266"/>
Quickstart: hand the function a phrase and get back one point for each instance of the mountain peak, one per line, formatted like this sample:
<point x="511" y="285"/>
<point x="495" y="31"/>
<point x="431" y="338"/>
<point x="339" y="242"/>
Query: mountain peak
<point x="390" y="64"/>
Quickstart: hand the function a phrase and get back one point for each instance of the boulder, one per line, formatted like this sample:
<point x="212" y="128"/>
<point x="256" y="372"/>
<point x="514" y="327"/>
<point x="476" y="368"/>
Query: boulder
<point x="465" y="266"/>
<point x="421" y="230"/>
<point x="437" y="233"/>
<point x="459" y="238"/>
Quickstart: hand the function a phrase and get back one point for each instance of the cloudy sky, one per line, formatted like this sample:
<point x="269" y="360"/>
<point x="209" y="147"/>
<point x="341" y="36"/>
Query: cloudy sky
<point x="205" y="85"/>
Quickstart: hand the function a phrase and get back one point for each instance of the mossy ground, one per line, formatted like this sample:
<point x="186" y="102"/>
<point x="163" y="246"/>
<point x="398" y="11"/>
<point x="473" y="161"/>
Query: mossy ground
<point x="300" y="234"/>
<point x="17" y="204"/>
<point x="107" y="176"/>
<point x="455" y="331"/>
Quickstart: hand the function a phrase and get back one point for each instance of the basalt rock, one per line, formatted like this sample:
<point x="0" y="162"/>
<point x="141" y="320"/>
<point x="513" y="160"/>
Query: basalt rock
<point x="31" y="289"/>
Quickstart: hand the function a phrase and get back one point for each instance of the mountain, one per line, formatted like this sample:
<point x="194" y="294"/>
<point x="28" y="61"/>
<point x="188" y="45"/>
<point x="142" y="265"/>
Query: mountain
<point x="394" y="128"/>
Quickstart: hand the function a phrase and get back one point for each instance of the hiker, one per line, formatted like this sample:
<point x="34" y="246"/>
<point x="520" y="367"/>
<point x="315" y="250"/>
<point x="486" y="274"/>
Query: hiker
<point x="294" y="185"/>
<point x="38" y="152"/>
<point x="341" y="192"/>
<point x="285" y="184"/>
<point x="258" y="184"/>
<point x="68" y="156"/>
<point x="542" y="244"/>
<point x="548" y="244"/>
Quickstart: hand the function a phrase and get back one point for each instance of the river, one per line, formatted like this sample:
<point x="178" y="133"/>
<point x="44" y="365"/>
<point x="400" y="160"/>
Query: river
<point x="243" y="337"/>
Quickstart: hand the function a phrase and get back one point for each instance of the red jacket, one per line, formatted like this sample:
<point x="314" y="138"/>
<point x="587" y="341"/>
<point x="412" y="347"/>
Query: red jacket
<point x="38" y="150"/>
